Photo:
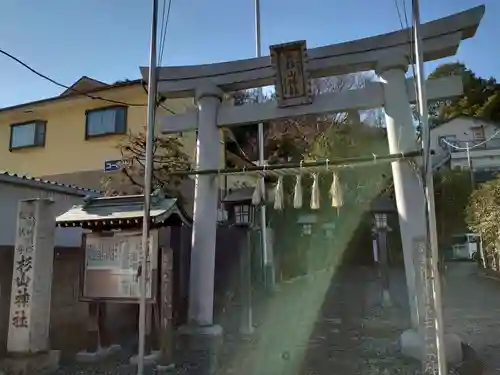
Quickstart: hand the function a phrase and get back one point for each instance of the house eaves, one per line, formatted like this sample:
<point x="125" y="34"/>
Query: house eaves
<point x="469" y="117"/>
<point x="84" y="85"/>
<point x="72" y="97"/>
<point x="37" y="183"/>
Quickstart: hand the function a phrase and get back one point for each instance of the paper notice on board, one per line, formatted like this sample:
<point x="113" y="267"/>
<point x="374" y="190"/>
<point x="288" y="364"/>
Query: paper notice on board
<point x="112" y="265"/>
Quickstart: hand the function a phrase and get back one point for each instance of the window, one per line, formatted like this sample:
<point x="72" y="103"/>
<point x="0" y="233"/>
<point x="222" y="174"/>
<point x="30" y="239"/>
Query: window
<point x="242" y="214"/>
<point x="105" y="121"/>
<point x="445" y="141"/>
<point x="28" y="134"/>
<point x="478" y="133"/>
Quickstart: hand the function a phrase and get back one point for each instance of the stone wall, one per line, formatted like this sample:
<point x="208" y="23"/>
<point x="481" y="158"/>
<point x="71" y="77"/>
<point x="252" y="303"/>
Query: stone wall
<point x="68" y="315"/>
<point x="6" y="260"/>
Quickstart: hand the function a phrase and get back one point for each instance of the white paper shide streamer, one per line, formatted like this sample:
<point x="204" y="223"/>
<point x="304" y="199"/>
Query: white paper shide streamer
<point x="297" y="194"/>
<point x="257" y="195"/>
<point x="336" y="192"/>
<point x="278" y="194"/>
<point x="315" y="193"/>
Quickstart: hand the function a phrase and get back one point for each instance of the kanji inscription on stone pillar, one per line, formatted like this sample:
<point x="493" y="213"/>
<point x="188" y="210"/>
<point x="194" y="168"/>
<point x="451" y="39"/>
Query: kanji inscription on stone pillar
<point x="292" y="81"/>
<point x="32" y="277"/>
<point x="427" y="316"/>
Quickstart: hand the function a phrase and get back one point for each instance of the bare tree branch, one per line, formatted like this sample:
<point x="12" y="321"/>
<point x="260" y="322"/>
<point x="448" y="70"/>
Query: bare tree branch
<point x="168" y="155"/>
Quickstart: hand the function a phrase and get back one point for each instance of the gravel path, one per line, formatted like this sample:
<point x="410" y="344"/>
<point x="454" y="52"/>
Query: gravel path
<point x="472" y="311"/>
<point x="352" y="333"/>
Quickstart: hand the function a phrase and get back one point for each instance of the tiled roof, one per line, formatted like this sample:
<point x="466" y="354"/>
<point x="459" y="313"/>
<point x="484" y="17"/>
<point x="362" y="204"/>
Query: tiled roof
<point x="383" y="204"/>
<point x="121" y="210"/>
<point x="469" y="117"/>
<point x="19" y="179"/>
<point x="238" y="195"/>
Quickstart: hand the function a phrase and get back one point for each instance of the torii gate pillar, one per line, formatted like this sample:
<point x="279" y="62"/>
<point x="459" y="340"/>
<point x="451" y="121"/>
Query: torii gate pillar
<point x="201" y="337"/>
<point x="410" y="199"/>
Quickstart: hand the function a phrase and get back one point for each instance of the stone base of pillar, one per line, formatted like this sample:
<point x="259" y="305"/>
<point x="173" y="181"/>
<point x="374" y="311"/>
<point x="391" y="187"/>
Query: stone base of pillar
<point x="386" y="298"/>
<point x="149" y="359"/>
<point x="25" y="364"/>
<point x="165" y="369"/>
<point x="269" y="278"/>
<point x="197" y="349"/>
<point x="412" y="346"/>
<point x="100" y="354"/>
<point x="246" y="330"/>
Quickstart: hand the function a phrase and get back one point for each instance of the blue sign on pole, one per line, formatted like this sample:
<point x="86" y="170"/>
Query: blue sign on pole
<point x="114" y="165"/>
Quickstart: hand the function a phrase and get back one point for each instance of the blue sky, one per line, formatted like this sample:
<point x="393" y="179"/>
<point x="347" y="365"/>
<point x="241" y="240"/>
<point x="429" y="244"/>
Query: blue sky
<point x="108" y="40"/>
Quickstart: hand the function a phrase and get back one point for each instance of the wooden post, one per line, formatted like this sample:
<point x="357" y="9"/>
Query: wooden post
<point x="246" y="323"/>
<point x="384" y="267"/>
<point x="93" y="328"/>
<point x="148" y="339"/>
<point x="104" y="339"/>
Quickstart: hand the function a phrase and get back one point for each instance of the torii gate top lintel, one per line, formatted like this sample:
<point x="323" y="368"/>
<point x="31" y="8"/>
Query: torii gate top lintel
<point x="441" y="38"/>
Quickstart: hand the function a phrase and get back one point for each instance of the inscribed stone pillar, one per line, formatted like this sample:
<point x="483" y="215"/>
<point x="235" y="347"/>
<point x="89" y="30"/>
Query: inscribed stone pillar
<point x="166" y="307"/>
<point x="32" y="277"/>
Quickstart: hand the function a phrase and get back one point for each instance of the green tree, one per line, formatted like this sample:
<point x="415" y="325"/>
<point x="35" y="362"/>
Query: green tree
<point x="452" y="192"/>
<point x="483" y="211"/>
<point x="481" y="96"/>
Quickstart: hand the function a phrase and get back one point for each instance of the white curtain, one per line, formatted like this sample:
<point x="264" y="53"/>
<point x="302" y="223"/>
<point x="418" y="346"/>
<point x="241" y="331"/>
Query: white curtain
<point x="23" y="135"/>
<point x="101" y="122"/>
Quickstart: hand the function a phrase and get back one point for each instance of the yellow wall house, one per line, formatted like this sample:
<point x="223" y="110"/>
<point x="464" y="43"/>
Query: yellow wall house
<point x="69" y="138"/>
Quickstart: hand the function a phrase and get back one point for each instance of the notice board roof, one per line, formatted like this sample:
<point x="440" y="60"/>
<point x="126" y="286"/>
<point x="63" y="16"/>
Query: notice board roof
<point x="123" y="211"/>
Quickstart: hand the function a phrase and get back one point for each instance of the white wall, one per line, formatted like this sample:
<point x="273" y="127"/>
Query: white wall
<point x="11" y="194"/>
<point x="461" y="127"/>
<point x="477" y="162"/>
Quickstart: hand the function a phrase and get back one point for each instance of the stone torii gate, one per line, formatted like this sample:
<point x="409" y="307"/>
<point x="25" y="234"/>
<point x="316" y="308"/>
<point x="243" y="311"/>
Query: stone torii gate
<point x="389" y="55"/>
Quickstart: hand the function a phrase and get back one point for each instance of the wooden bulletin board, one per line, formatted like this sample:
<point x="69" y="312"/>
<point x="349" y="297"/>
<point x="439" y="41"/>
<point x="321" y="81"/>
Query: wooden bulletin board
<point x="110" y="267"/>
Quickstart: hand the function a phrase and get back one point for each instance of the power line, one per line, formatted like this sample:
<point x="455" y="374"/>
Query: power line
<point x="163" y="35"/>
<point x="159" y="101"/>
<point x="94" y="97"/>
<point x="164" y="27"/>
<point x="164" y="8"/>
<point x="412" y="64"/>
<point x="19" y="61"/>
<point x="411" y="42"/>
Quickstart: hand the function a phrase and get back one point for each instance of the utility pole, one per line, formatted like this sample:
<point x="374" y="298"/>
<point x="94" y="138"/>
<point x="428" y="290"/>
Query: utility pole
<point x="434" y="346"/>
<point x="266" y="254"/>
<point x="152" y="86"/>
<point x="471" y="170"/>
